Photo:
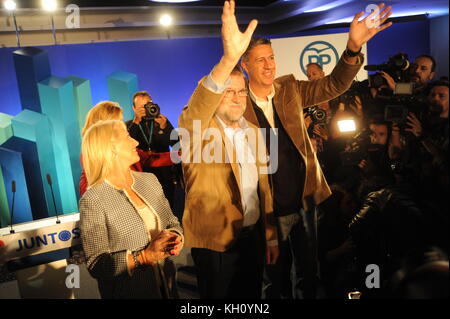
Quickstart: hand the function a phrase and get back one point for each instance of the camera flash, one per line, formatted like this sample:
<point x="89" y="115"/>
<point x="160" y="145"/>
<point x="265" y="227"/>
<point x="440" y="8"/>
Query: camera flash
<point x="347" y="125"/>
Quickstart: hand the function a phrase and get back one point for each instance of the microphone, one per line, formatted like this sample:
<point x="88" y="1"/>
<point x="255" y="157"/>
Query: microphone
<point x="13" y="186"/>
<point x="372" y="67"/>
<point x="49" y="181"/>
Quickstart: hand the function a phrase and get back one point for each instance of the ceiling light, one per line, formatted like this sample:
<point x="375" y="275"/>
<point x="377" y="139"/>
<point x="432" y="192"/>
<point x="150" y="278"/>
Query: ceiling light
<point x="49" y="5"/>
<point x="165" y="20"/>
<point x="10" y="5"/>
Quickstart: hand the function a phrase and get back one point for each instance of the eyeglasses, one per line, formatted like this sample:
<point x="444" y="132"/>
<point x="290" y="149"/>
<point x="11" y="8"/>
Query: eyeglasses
<point x="241" y="93"/>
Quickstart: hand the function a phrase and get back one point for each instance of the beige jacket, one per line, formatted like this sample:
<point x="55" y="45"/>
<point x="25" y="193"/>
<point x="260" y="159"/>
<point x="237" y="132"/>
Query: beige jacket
<point x="213" y="214"/>
<point x="291" y="96"/>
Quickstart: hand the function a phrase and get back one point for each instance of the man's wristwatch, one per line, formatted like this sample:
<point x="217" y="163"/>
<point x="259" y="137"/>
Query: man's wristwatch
<point x="351" y="53"/>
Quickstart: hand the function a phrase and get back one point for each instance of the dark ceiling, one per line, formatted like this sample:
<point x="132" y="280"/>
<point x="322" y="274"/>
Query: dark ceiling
<point x="139" y="19"/>
<point x="142" y="3"/>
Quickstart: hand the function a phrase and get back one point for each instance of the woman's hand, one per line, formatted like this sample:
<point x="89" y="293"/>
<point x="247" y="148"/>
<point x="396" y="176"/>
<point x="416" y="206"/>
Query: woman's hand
<point x="177" y="247"/>
<point x="164" y="245"/>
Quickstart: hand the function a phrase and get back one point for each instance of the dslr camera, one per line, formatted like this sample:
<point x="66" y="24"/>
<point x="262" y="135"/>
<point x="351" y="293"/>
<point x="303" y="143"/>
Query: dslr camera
<point x="317" y="115"/>
<point x="152" y="111"/>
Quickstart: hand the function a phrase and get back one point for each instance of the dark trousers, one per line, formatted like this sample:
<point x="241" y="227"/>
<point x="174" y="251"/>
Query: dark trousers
<point x="295" y="275"/>
<point x="236" y="273"/>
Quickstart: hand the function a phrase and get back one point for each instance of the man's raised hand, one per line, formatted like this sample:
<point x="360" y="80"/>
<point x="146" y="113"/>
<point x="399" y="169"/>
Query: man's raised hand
<point x="364" y="30"/>
<point x="234" y="41"/>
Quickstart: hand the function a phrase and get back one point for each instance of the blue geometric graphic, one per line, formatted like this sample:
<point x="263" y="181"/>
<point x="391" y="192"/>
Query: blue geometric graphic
<point x="83" y="98"/>
<point x="12" y="169"/>
<point x="35" y="127"/>
<point x="58" y="103"/>
<point x="121" y="87"/>
<point x="32" y="174"/>
<point x="32" y="65"/>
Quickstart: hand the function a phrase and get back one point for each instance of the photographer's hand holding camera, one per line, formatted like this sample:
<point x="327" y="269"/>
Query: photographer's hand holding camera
<point x="156" y="139"/>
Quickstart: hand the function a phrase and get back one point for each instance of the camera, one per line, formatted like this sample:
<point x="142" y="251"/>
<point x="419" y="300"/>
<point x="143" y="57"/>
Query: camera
<point x="152" y="111"/>
<point x="360" y="148"/>
<point x="317" y="115"/>
<point x="356" y="89"/>
<point x="397" y="106"/>
<point x="397" y="67"/>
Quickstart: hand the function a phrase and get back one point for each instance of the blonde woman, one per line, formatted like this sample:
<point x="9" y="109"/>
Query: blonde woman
<point x="105" y="110"/>
<point x="128" y="229"/>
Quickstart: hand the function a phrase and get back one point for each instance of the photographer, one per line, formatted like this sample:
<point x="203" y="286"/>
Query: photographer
<point x="403" y="84"/>
<point x="152" y="130"/>
<point x="422" y="71"/>
<point x="322" y="132"/>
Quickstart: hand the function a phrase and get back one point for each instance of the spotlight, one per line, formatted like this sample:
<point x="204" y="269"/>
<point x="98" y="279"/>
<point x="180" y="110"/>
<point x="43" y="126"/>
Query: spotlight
<point x="10" y="5"/>
<point x="165" y="20"/>
<point x="346" y="125"/>
<point x="49" y="5"/>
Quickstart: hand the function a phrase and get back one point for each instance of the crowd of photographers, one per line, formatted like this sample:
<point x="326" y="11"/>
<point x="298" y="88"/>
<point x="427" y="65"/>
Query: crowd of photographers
<point x="383" y="147"/>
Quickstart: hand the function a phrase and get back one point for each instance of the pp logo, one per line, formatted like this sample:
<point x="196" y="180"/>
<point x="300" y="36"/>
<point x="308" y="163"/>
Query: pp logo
<point x="319" y="52"/>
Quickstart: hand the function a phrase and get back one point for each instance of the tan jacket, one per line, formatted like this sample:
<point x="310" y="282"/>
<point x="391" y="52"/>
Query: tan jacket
<point x="291" y="96"/>
<point x="213" y="214"/>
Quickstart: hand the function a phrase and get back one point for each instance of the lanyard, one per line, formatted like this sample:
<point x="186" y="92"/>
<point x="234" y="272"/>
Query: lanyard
<point x="149" y="139"/>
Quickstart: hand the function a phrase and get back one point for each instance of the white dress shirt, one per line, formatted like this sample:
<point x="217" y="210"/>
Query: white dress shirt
<point x="247" y="170"/>
<point x="266" y="106"/>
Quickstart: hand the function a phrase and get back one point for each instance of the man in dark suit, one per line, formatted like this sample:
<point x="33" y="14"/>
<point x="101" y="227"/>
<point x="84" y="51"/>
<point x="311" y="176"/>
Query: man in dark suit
<point x="298" y="184"/>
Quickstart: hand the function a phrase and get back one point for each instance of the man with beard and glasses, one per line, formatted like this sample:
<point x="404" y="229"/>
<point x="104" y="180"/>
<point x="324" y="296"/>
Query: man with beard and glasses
<point x="228" y="219"/>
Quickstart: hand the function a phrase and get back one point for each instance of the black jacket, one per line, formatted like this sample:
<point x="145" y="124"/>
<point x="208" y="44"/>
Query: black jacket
<point x="160" y="140"/>
<point x="388" y="225"/>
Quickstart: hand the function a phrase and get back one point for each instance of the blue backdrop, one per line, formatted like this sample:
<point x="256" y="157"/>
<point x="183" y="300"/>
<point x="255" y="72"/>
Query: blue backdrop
<point x="168" y="69"/>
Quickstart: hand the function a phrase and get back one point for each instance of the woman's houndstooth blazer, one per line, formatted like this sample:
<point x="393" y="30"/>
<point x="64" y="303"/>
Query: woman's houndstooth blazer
<point x="111" y="226"/>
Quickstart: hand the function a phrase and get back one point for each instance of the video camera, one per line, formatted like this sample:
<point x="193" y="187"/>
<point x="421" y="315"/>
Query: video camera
<point x="398" y="104"/>
<point x="403" y="101"/>
<point x="397" y="67"/>
<point x="152" y="111"/>
<point x="360" y="148"/>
